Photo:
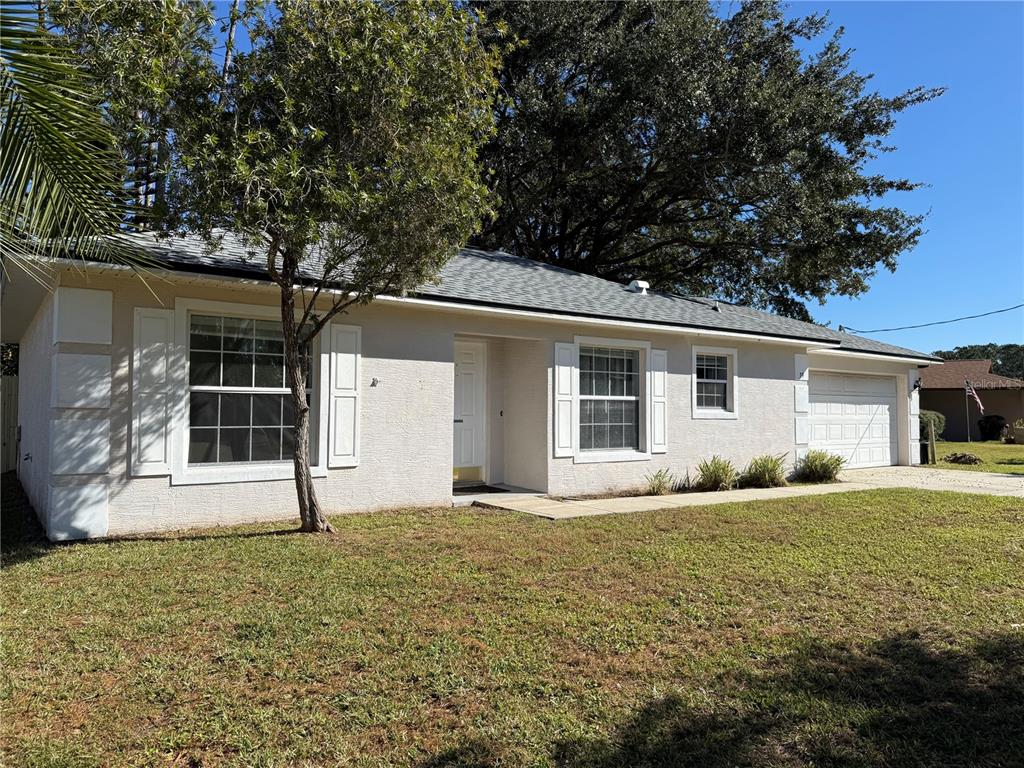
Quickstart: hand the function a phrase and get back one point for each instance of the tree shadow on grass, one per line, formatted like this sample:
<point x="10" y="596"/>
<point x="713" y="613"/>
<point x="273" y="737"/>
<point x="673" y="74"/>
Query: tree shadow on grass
<point x="897" y="702"/>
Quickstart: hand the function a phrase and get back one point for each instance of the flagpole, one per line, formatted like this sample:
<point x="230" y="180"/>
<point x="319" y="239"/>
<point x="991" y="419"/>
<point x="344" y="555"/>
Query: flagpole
<point x="967" y="411"/>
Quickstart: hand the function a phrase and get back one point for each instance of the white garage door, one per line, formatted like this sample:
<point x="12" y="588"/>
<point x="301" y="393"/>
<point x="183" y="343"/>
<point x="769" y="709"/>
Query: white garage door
<point x="855" y="417"/>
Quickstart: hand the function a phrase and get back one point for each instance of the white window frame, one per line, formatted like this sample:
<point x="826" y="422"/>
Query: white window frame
<point x="184" y="474"/>
<point x="731" y="384"/>
<point x="614" y="455"/>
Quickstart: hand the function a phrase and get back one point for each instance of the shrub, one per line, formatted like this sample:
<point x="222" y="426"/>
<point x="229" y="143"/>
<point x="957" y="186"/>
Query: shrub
<point x="764" y="472"/>
<point x="939" y="419"/>
<point x="660" y="483"/>
<point x="818" y="467"/>
<point x="715" y="474"/>
<point x="991" y="426"/>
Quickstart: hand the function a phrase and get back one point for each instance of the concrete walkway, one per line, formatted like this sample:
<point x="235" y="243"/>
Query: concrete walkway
<point x="852" y="480"/>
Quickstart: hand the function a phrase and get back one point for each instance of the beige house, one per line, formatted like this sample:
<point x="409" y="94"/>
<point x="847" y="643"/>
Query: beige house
<point x="943" y="389"/>
<point x="145" y="409"/>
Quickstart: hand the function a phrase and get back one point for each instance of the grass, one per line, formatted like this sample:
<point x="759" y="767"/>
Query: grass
<point x="995" y="456"/>
<point x="857" y="629"/>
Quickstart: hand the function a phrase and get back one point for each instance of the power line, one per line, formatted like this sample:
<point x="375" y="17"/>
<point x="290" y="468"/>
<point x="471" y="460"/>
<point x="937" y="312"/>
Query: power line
<point x="938" y="322"/>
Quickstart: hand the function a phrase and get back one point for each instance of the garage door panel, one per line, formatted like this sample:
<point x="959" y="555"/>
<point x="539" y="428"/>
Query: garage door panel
<point x="852" y="416"/>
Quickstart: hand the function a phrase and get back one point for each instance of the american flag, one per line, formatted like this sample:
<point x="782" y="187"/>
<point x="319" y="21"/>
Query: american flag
<point x="974" y="393"/>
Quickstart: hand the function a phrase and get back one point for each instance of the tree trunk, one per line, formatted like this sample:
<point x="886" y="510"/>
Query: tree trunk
<point x="313" y="518"/>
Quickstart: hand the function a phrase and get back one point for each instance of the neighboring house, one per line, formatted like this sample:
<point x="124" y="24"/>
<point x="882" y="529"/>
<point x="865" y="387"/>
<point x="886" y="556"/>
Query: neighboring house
<point x="157" y="407"/>
<point x="943" y="389"/>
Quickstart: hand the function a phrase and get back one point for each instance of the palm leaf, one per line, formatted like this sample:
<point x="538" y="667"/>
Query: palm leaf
<point x="61" y="175"/>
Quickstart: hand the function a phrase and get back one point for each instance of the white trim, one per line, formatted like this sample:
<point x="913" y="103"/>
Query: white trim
<point x="658" y="421"/>
<point x="181" y="472"/>
<point x="614" y="455"/>
<point x="732" y="385"/>
<point x="875" y="356"/>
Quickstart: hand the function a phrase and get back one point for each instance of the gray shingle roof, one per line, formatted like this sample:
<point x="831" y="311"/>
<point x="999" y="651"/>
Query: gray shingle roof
<point x="498" y="279"/>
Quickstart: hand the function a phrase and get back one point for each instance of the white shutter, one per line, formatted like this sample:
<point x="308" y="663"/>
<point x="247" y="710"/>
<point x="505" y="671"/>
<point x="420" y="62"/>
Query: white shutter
<point x="566" y="363"/>
<point x="659" y="401"/>
<point x="343" y="435"/>
<point x="152" y="374"/>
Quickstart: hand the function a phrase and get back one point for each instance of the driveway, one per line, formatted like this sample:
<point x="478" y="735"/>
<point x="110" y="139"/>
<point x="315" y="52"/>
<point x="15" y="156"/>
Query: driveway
<point x="930" y="479"/>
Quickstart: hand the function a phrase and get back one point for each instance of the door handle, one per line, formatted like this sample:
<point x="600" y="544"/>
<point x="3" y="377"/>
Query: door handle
<point x="458" y="421"/>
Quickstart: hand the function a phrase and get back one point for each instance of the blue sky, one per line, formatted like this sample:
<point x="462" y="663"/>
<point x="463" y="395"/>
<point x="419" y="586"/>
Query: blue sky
<point x="967" y="146"/>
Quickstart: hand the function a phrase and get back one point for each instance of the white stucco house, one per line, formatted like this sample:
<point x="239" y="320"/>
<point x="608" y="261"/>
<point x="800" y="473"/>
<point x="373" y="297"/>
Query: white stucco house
<point x="145" y="409"/>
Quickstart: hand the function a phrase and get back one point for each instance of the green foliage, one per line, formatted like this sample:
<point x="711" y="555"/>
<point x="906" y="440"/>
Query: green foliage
<point x="900" y="654"/>
<point x="991" y="426"/>
<point x="705" y="154"/>
<point x="60" y="173"/>
<point x="935" y="418"/>
<point x="715" y="474"/>
<point x="766" y="471"/>
<point x="661" y="482"/>
<point x="1007" y="359"/>
<point x="818" y="467"/>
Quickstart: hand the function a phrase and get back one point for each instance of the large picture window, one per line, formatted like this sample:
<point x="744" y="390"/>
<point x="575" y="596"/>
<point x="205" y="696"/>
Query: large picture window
<point x="239" y="402"/>
<point x="609" y="399"/>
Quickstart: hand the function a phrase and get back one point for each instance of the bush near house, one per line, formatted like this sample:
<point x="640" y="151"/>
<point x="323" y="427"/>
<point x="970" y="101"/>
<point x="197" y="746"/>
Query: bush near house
<point x="715" y="474"/>
<point x="991" y="426"/>
<point x="818" y="467"/>
<point x="660" y="483"/>
<point x="932" y="417"/>
<point x="766" y="471"/>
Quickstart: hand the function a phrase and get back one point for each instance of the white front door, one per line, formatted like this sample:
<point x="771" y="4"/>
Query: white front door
<point x="470" y="411"/>
<point x="855" y="417"/>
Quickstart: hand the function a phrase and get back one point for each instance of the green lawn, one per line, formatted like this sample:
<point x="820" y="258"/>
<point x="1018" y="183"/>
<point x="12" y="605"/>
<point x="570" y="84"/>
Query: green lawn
<point x="995" y="456"/>
<point x="858" y="629"/>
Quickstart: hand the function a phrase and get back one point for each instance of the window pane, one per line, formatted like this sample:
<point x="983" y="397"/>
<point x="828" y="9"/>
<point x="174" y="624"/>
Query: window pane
<point x="269" y="371"/>
<point x="586" y="383"/>
<point x="202" y="446"/>
<point x="266" y="410"/>
<point x="237" y="370"/>
<point x="238" y="334"/>
<point x="288" y="443"/>
<point x="711" y="394"/>
<point x="234" y="410"/>
<point x="204" y="332"/>
<point x="204" y="369"/>
<point x="234" y="444"/>
<point x="629" y="411"/>
<point x="601" y="361"/>
<point x="203" y="409"/>
<point x="288" y="412"/>
<point x="586" y="437"/>
<point x="266" y="444"/>
<point x="615" y="436"/>
<point x="600" y="437"/>
<point x="269" y="337"/>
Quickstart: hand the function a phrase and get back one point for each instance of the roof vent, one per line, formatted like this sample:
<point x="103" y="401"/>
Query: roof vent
<point x="639" y="286"/>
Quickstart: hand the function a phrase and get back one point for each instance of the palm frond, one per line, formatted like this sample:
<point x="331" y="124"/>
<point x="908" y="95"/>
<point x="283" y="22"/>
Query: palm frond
<point x="60" y="172"/>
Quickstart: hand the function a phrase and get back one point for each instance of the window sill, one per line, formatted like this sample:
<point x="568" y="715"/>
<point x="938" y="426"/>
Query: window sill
<point x="240" y="474"/>
<point x="606" y="457"/>
<point x="699" y="413"/>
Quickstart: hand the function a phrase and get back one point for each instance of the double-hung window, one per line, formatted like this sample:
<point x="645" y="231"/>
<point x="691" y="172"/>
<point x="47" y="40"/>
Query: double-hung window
<point x="609" y="399"/>
<point x="240" y="407"/>
<point x="714" y="389"/>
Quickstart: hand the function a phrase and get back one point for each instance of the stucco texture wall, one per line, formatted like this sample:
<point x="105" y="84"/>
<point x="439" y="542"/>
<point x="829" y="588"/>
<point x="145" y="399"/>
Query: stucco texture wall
<point x="406" y="401"/>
